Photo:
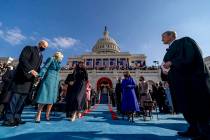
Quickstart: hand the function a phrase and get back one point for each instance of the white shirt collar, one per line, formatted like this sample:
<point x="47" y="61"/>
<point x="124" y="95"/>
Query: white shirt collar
<point x="171" y="42"/>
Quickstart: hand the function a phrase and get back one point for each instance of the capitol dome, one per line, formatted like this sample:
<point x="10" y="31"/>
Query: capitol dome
<point x="106" y="44"/>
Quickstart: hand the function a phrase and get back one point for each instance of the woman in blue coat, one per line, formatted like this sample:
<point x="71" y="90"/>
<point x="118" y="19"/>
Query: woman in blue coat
<point x="129" y="101"/>
<point x="48" y="90"/>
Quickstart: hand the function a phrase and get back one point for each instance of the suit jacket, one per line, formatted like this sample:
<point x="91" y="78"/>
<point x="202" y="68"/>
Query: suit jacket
<point x="188" y="77"/>
<point x="30" y="59"/>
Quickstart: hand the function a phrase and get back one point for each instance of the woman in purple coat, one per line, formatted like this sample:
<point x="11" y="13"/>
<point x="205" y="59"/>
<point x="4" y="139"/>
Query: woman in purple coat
<point x="129" y="101"/>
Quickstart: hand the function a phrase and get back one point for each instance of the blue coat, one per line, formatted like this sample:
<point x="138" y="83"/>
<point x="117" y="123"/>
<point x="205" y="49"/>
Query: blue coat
<point x="48" y="90"/>
<point x="129" y="100"/>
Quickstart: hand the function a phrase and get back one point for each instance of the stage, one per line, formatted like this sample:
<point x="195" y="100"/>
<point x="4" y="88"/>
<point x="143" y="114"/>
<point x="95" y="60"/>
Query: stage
<point x="101" y="123"/>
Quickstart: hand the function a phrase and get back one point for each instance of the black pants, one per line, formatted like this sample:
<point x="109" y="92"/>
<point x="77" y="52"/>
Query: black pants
<point x="15" y="107"/>
<point x="119" y="105"/>
<point x="200" y="126"/>
<point x="161" y="104"/>
<point x="113" y="101"/>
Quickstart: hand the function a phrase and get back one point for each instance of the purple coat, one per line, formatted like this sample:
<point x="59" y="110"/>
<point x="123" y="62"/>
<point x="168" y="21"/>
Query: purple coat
<point x="129" y="100"/>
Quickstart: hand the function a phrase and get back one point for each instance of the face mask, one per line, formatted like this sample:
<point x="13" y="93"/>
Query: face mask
<point x="41" y="49"/>
<point x="126" y="75"/>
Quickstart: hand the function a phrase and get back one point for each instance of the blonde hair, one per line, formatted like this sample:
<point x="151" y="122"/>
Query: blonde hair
<point x="58" y="56"/>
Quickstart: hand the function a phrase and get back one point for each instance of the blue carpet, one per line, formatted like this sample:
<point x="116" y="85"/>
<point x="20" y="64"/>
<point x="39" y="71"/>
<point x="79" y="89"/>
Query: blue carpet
<point x="97" y="125"/>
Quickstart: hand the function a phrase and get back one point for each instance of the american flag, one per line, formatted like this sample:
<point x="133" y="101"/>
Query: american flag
<point x="113" y="62"/>
<point x="106" y="62"/>
<point x="98" y="62"/>
<point x="123" y="62"/>
<point x="89" y="63"/>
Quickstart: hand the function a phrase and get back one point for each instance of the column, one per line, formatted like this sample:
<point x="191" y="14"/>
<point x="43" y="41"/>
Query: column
<point x="109" y="62"/>
<point x="85" y="62"/>
<point x="128" y="62"/>
<point x="102" y="61"/>
<point x="92" y="63"/>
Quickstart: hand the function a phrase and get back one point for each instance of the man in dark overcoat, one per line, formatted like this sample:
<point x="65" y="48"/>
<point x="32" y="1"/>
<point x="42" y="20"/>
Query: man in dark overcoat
<point x="189" y="82"/>
<point x="29" y="64"/>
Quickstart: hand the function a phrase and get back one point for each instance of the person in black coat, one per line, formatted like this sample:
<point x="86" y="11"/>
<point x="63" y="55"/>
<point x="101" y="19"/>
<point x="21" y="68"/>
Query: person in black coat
<point x="154" y="92"/>
<point x="93" y="97"/>
<point x="118" y="92"/>
<point x="161" y="99"/>
<point x="77" y="92"/>
<point x="69" y="95"/>
<point x="29" y="64"/>
<point x="189" y="82"/>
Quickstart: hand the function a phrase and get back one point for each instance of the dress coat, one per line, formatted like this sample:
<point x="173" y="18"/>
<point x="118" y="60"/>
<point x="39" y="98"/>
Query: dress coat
<point x="188" y="78"/>
<point x="77" y="91"/>
<point x="48" y="90"/>
<point x="129" y="100"/>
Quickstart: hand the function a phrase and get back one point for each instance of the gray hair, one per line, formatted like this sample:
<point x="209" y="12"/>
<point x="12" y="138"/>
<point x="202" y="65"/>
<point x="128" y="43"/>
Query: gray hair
<point x="44" y="42"/>
<point x="170" y="33"/>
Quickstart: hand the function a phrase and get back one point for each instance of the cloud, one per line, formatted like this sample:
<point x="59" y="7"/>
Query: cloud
<point x="62" y="42"/>
<point x="13" y="36"/>
<point x="32" y="38"/>
<point x="197" y="29"/>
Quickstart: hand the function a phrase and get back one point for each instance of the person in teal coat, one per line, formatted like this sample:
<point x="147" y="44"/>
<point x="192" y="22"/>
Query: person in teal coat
<point x="48" y="90"/>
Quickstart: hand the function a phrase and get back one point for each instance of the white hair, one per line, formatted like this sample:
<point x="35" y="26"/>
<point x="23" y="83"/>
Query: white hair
<point x="58" y="56"/>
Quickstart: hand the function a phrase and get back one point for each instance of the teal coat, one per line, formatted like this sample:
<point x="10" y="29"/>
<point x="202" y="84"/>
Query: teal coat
<point x="48" y="90"/>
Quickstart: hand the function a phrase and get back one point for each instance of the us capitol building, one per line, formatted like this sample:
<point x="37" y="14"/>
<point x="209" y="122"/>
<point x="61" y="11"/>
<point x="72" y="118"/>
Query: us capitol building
<point x="106" y="63"/>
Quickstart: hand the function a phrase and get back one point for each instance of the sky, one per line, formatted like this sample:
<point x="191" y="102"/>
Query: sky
<point x="74" y="26"/>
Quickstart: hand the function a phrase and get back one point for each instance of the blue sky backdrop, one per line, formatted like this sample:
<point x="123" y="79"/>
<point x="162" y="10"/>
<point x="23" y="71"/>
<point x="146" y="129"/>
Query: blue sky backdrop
<point x="75" y="25"/>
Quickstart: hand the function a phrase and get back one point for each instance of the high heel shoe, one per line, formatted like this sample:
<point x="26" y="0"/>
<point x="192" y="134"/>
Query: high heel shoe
<point x="37" y="119"/>
<point x="79" y="115"/>
<point x="73" y="118"/>
<point x="48" y="117"/>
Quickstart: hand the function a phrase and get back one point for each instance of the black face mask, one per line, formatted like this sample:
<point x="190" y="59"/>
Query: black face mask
<point x="125" y="75"/>
<point x="41" y="49"/>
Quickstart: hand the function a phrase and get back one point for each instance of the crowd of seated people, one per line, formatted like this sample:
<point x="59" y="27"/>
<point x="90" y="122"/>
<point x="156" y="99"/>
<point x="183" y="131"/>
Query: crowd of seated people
<point x="118" y="68"/>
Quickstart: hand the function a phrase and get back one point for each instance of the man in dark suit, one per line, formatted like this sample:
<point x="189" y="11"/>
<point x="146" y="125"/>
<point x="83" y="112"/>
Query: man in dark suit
<point x="29" y="64"/>
<point x="189" y="82"/>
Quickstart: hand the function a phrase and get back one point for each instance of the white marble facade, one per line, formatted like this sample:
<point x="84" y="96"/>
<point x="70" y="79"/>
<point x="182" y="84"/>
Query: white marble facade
<point x="153" y="76"/>
<point x="107" y="61"/>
